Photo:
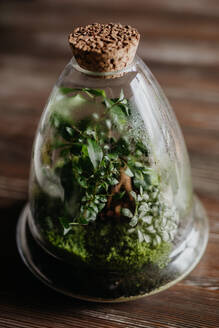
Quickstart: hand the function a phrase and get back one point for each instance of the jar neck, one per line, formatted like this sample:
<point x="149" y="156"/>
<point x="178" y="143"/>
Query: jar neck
<point x="105" y="75"/>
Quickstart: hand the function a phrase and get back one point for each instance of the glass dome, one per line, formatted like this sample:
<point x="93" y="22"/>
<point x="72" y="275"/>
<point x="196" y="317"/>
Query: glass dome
<point x="111" y="215"/>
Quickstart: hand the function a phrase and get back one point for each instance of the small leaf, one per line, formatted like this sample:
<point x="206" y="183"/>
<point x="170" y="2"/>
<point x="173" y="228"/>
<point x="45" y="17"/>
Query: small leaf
<point x="88" y="214"/>
<point x="118" y="117"/>
<point x="103" y="199"/>
<point x="147" y="219"/>
<point x="113" y="181"/>
<point x="108" y="103"/>
<point x="131" y="230"/>
<point x="133" y="194"/>
<point x="70" y="131"/>
<point x="95" y="92"/>
<point x="121" y="96"/>
<point x="67" y="90"/>
<point x="147" y="238"/>
<point x="113" y="156"/>
<point x="129" y="172"/>
<point x="106" y="147"/>
<point x="138" y="164"/>
<point x="141" y="191"/>
<point x="145" y="196"/>
<point x="126" y="212"/>
<point x="65" y="224"/>
<point x="151" y="229"/>
<point x="89" y="91"/>
<point x="61" y="124"/>
<point x="105" y="185"/>
<point x="165" y="236"/>
<point x="82" y="182"/>
<point x="95" y="116"/>
<point x="125" y="108"/>
<point x="108" y="124"/>
<point x="158" y="239"/>
<point x="140" y="236"/>
<point x="84" y="150"/>
<point x="139" y="198"/>
<point x="95" y="152"/>
<point x="91" y="132"/>
<point x="66" y="230"/>
<point x="143" y="208"/>
<point x="133" y="221"/>
<point x="94" y="208"/>
<point x="140" y="146"/>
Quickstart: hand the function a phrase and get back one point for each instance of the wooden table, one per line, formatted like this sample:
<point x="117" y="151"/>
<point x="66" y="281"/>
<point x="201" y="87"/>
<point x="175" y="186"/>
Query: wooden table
<point x="180" y="43"/>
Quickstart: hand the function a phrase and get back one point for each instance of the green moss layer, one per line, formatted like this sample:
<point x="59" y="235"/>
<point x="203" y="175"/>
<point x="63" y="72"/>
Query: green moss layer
<point x="110" y="246"/>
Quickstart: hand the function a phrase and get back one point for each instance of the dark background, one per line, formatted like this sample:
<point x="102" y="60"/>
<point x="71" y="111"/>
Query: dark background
<point x="180" y="44"/>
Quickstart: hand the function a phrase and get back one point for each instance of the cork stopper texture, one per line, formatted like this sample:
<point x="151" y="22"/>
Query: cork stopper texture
<point x="104" y="47"/>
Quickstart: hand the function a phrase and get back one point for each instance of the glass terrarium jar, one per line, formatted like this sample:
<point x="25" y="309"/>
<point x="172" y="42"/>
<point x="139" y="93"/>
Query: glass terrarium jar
<point x="111" y="215"/>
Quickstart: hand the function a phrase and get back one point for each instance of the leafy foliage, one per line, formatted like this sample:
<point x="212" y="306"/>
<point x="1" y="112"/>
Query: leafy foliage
<point x="106" y="171"/>
<point x="95" y="152"/>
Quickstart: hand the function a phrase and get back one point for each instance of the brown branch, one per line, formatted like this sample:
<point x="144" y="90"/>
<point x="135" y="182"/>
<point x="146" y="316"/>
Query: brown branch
<point x="125" y="181"/>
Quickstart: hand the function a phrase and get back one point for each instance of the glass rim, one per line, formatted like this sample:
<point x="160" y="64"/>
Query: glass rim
<point x="118" y="73"/>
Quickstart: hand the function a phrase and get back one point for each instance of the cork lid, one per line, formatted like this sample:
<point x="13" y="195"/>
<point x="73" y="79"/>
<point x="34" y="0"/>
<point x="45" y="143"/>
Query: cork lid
<point x="104" y="47"/>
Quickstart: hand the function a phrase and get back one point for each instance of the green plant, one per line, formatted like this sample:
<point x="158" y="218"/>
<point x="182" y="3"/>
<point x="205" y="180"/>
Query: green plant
<point x="104" y="162"/>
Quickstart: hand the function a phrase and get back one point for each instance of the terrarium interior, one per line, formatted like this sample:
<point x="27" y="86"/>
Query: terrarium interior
<point x="110" y="184"/>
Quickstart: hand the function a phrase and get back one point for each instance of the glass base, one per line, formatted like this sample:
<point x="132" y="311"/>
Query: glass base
<point x="68" y="280"/>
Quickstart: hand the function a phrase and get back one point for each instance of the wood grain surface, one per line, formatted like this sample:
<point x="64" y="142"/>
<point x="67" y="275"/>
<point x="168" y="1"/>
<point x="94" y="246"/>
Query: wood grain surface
<point x="180" y="44"/>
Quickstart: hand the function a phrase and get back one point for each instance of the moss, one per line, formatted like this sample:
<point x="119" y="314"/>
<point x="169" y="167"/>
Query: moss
<point x="110" y="246"/>
<point x="72" y="243"/>
<point x="106" y="244"/>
